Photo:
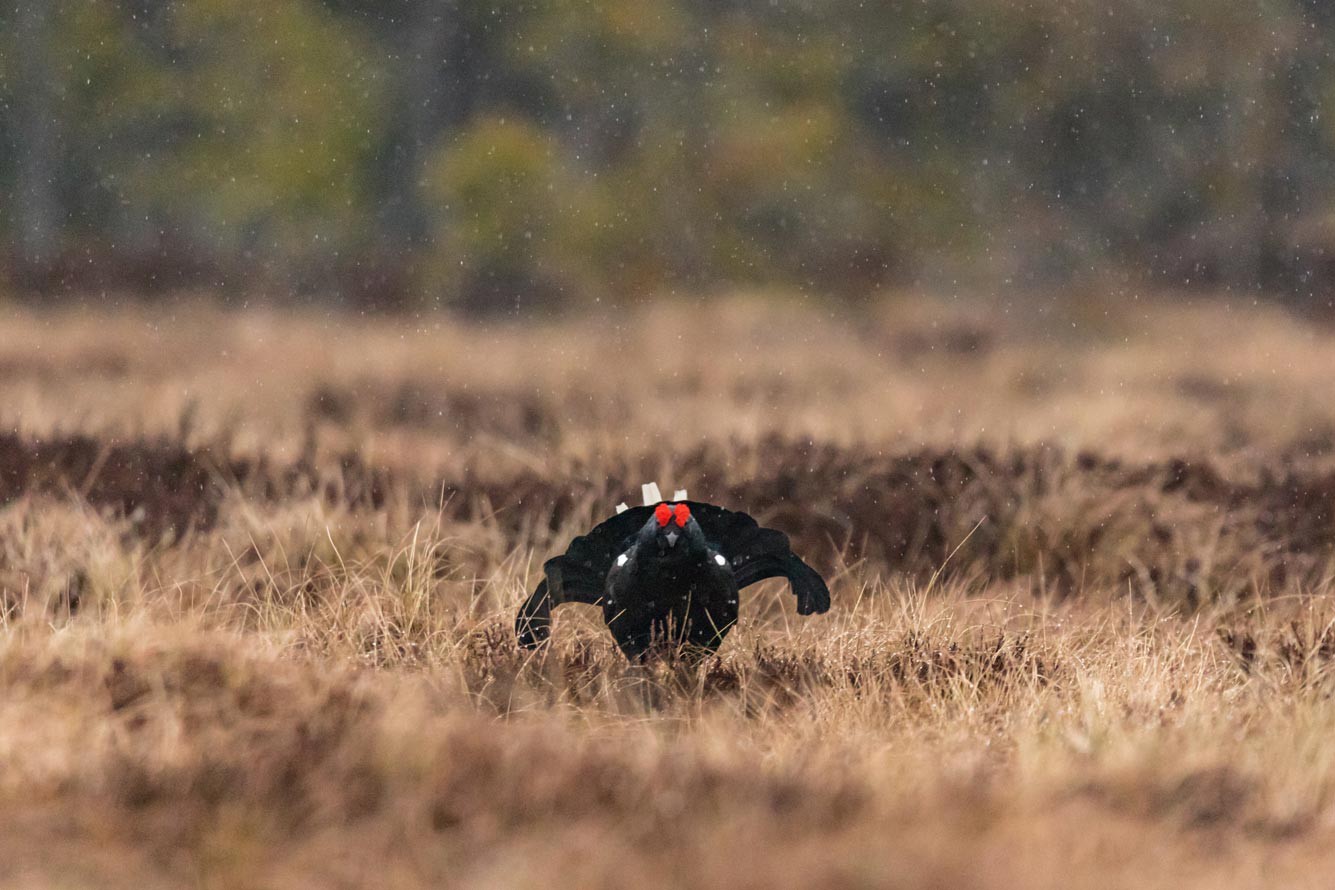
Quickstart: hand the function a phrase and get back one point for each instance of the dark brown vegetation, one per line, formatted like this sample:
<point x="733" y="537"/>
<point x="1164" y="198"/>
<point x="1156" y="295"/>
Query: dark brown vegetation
<point x="1074" y="522"/>
<point x="258" y="573"/>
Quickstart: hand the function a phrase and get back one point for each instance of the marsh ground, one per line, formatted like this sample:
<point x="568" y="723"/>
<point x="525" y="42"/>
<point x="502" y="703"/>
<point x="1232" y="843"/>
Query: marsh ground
<point x="258" y="571"/>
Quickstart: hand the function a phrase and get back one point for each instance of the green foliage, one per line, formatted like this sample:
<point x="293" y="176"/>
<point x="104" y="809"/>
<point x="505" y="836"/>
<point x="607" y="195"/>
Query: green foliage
<point x="240" y="129"/>
<point x="283" y="98"/>
<point x="506" y="203"/>
<point x="565" y="150"/>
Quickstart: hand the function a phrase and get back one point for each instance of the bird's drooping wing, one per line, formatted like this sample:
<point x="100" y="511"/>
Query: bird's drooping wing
<point x="756" y="553"/>
<point x="578" y="575"/>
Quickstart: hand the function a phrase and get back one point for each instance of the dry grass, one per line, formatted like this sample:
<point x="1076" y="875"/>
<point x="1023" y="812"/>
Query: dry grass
<point x="258" y="573"/>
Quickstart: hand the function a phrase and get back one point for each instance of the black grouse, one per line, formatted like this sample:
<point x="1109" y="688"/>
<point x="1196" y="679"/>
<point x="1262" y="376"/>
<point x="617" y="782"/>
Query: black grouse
<point x="668" y="574"/>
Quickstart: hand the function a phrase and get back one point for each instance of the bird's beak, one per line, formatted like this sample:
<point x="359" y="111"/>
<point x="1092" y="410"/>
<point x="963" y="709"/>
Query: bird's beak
<point x="672" y="539"/>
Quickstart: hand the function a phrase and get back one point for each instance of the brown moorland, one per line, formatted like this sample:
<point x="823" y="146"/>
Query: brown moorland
<point x="258" y="569"/>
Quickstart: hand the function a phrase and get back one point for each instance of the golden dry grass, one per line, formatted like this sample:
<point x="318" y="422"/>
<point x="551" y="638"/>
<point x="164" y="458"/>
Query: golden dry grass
<point x="258" y="573"/>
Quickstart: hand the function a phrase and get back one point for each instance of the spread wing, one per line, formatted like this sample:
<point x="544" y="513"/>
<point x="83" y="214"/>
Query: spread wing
<point x="754" y="552"/>
<point x="578" y="575"/>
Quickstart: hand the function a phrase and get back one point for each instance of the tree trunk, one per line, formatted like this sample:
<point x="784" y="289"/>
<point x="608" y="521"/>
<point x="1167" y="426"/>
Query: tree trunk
<point x="431" y="93"/>
<point x="37" y="212"/>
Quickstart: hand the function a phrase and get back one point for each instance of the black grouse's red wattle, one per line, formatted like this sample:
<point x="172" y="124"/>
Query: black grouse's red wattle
<point x="668" y="573"/>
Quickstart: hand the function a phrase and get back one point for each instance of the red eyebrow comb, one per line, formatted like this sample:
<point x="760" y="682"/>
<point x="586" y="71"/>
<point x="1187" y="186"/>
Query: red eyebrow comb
<point x="682" y="513"/>
<point x="663" y="513"/>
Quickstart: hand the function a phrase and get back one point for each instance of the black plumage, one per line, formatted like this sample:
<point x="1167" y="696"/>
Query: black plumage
<point x="668" y="573"/>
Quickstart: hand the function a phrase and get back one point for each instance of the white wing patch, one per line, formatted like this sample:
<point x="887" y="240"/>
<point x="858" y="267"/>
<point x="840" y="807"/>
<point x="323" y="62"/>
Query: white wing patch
<point x="623" y="559"/>
<point x="718" y="558"/>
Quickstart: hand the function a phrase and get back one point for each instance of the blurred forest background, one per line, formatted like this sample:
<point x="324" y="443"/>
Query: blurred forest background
<point x="546" y="154"/>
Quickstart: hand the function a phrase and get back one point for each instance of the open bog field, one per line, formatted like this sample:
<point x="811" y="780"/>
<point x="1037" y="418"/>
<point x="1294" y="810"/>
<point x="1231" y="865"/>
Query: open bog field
<point x="258" y="573"/>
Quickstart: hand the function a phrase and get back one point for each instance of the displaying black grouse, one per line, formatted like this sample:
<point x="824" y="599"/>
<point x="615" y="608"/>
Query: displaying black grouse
<point x="668" y="573"/>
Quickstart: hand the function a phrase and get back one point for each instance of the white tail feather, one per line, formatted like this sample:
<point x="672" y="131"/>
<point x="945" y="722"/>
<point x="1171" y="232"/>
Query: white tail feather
<point x="679" y="494"/>
<point x="622" y="508"/>
<point x="651" y="493"/>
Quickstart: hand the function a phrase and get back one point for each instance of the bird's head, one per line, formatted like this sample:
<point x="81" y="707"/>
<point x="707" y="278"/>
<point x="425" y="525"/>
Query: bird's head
<point x="671" y="532"/>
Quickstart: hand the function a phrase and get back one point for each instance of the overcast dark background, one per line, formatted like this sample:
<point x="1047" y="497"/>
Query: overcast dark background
<point x="548" y="154"/>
